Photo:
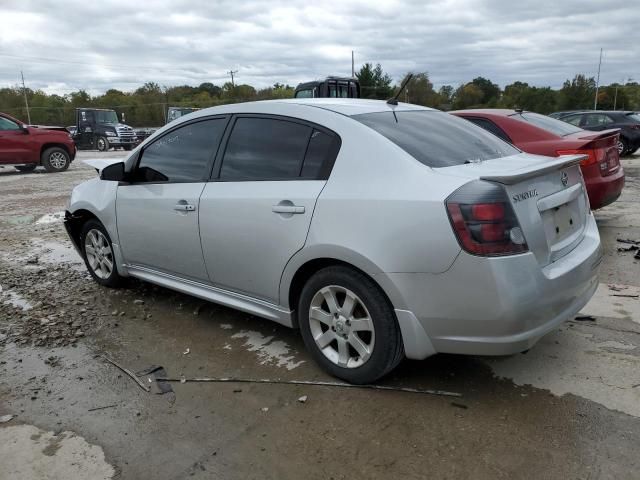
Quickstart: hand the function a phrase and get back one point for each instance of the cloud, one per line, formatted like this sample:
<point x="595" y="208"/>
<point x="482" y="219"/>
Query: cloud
<point x="64" y="46"/>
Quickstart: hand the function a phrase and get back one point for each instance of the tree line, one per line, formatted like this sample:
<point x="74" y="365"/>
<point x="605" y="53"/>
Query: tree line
<point x="147" y="105"/>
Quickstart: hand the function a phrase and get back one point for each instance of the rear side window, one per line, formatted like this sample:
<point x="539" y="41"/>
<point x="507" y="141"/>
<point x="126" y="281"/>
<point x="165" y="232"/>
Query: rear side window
<point x="437" y="139"/>
<point x="597" y="120"/>
<point x="551" y="125"/>
<point x="274" y="149"/>
<point x="635" y="117"/>
<point x="182" y="155"/>
<point x="489" y="126"/>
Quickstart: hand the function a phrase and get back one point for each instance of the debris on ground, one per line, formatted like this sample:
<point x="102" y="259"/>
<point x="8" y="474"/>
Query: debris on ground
<point x="585" y="318"/>
<point x="303" y="399"/>
<point x="265" y="409"/>
<point x="156" y="371"/>
<point x="186" y="352"/>
<point x="102" y="408"/>
<point x="6" y="418"/>
<point x="308" y="382"/>
<point x="128" y="372"/>
<point x="459" y="405"/>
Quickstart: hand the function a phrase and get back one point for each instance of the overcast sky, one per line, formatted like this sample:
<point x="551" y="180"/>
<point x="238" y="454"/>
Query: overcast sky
<point x="66" y="45"/>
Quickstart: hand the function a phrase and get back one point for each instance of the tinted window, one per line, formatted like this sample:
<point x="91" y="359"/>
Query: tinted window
<point x="183" y="154"/>
<point x="573" y="119"/>
<point x="437" y="139"/>
<point x="265" y="149"/>
<point x="557" y="127"/>
<point x="634" y="116"/>
<point x="489" y="126"/>
<point x="321" y="148"/>
<point x="597" y="120"/>
<point x="304" y="94"/>
<point x="6" y="124"/>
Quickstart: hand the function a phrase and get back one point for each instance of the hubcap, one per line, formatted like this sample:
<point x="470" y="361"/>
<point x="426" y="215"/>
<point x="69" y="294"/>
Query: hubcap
<point x="99" y="254"/>
<point x="341" y="326"/>
<point x="620" y="148"/>
<point x="101" y="145"/>
<point x="57" y="160"/>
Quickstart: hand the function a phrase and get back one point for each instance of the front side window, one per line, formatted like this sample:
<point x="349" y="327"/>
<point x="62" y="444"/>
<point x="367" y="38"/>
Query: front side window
<point x="265" y="149"/>
<point x="182" y="155"/>
<point x="437" y="139"/>
<point x="6" y="124"/>
<point x="634" y="117"/>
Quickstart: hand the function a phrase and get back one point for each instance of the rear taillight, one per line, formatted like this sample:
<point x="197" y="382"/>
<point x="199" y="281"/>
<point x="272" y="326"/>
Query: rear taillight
<point x="483" y="220"/>
<point x="607" y="159"/>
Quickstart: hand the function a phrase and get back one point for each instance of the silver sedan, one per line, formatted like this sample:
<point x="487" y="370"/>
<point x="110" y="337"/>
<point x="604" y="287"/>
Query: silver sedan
<point x="380" y="231"/>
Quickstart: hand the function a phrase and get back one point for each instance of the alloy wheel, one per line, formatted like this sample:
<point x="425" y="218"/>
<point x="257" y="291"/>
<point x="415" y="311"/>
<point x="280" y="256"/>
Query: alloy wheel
<point x="57" y="160"/>
<point x="341" y="326"/>
<point x="620" y="148"/>
<point x="99" y="254"/>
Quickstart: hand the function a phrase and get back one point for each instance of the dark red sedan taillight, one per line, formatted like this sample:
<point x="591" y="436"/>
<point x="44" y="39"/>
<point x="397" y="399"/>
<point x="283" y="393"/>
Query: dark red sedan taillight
<point x="483" y="220"/>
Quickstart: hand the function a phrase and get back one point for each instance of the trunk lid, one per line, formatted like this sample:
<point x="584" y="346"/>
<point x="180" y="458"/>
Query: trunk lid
<point x="547" y="195"/>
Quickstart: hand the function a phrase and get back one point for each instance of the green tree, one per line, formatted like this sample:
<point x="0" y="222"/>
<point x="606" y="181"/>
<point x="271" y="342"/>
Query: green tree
<point x="578" y="93"/>
<point x="467" y="96"/>
<point x="420" y="91"/>
<point x="490" y="91"/>
<point x="374" y="82"/>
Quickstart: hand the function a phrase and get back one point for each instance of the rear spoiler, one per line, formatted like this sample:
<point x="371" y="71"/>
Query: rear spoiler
<point x="599" y="135"/>
<point x="537" y="169"/>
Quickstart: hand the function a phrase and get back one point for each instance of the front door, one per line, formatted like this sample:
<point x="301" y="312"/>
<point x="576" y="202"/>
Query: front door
<point x="257" y="213"/>
<point x="14" y="143"/>
<point x="157" y="213"/>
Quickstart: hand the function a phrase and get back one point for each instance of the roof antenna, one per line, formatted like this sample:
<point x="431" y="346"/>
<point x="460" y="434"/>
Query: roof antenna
<point x="394" y="100"/>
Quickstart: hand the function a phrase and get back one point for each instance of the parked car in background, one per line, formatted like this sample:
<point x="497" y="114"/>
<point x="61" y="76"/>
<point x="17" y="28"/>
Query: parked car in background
<point x="542" y="135"/>
<point x="330" y="87"/>
<point x="557" y="115"/>
<point x="26" y="146"/>
<point x="627" y="122"/>
<point x="379" y="230"/>
<point x="100" y="129"/>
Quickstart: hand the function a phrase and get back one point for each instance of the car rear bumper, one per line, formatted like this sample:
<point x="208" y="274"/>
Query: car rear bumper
<point x="497" y="306"/>
<point x="603" y="191"/>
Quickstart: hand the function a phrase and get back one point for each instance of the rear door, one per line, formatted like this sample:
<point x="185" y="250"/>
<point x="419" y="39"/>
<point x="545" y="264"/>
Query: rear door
<point x="14" y="143"/>
<point x="256" y="213"/>
<point x="157" y="213"/>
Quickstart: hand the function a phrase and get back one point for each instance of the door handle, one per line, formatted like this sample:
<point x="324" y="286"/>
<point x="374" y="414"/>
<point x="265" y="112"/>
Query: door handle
<point x="184" y="207"/>
<point x="287" y="209"/>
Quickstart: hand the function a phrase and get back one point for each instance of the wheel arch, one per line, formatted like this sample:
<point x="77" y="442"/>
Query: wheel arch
<point x="302" y="266"/>
<point x="74" y="222"/>
<point x="48" y="145"/>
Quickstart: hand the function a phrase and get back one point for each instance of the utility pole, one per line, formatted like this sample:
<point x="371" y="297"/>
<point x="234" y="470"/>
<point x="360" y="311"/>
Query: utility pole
<point x="595" y="102"/>
<point x="24" y="92"/>
<point x="232" y="73"/>
<point x="353" y="66"/>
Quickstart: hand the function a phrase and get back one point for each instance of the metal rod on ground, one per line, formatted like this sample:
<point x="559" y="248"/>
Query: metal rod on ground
<point x="310" y="383"/>
<point x="128" y="372"/>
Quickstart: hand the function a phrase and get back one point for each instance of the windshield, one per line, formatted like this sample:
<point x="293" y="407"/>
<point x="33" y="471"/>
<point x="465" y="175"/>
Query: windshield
<point x="106" y="116"/>
<point x="557" y="127"/>
<point x="437" y="139"/>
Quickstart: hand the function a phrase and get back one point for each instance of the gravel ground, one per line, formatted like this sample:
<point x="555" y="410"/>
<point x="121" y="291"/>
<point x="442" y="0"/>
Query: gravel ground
<point x="569" y="408"/>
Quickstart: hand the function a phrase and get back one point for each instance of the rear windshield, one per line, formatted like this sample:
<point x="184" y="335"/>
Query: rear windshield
<point x="551" y="125"/>
<point x="437" y="139"/>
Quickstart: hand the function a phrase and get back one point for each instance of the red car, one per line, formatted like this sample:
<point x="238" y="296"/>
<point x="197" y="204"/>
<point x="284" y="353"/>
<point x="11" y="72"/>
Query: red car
<point x="27" y="146"/>
<point x="542" y="135"/>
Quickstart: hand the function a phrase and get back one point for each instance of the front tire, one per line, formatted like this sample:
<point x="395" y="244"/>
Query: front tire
<point x="97" y="251"/>
<point x="349" y="326"/>
<point x="26" y="168"/>
<point x="55" y="159"/>
<point x="127" y="148"/>
<point x="102" y="144"/>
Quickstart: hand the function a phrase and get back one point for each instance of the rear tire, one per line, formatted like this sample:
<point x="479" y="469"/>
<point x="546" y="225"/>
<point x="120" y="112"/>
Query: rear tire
<point x="97" y="252"/>
<point x="102" y="144"/>
<point x="349" y="326"/>
<point x="622" y="147"/>
<point x="55" y="159"/>
<point x="631" y="152"/>
<point x="26" y="168"/>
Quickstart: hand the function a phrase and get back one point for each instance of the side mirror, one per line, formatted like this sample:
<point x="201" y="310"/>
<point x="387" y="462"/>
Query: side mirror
<point x="24" y="128"/>
<point x="114" y="172"/>
<point x="122" y="117"/>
